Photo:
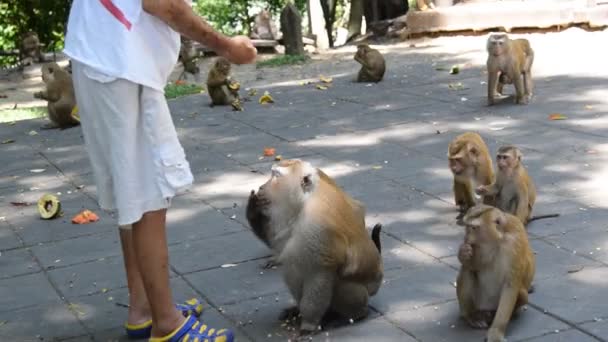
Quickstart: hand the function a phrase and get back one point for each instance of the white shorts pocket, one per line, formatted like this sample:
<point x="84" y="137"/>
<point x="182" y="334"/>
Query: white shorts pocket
<point x="175" y="169"/>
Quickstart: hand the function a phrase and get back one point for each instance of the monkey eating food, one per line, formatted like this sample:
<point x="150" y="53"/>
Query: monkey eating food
<point x="497" y="270"/>
<point x="60" y="96"/>
<point x="513" y="191"/>
<point x="512" y="59"/>
<point x="471" y="165"/>
<point x="222" y="89"/>
<point x="317" y="233"/>
<point x="372" y="63"/>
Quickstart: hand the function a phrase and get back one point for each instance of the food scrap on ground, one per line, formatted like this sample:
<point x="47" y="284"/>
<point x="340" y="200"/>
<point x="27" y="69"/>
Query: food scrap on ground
<point x="84" y="217"/>
<point x="269" y="151"/>
<point x="557" y="116"/>
<point x="49" y="207"/>
<point x="266" y="98"/>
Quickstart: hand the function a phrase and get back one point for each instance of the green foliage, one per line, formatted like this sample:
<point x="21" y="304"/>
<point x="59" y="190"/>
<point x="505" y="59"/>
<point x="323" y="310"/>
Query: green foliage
<point x="173" y="90"/>
<point x="283" y="60"/>
<point x="10" y="115"/>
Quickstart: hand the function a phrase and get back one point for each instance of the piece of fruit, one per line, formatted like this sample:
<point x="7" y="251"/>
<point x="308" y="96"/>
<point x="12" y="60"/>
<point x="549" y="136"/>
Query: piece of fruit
<point x="320" y="87"/>
<point x="326" y="79"/>
<point x="75" y="114"/>
<point x="278" y="158"/>
<point x="49" y="207"/>
<point x="84" y="217"/>
<point x="266" y="98"/>
<point x="234" y="85"/>
<point x="236" y="105"/>
<point x="269" y="151"/>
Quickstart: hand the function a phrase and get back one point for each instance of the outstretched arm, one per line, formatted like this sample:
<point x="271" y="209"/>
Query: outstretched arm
<point x="180" y="16"/>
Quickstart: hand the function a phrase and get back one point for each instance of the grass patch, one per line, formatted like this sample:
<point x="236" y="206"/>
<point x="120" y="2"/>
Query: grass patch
<point x="173" y="90"/>
<point x="18" y="114"/>
<point x="283" y="60"/>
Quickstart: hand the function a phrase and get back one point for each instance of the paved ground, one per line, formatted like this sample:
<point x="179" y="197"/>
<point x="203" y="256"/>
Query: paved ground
<point x="385" y="144"/>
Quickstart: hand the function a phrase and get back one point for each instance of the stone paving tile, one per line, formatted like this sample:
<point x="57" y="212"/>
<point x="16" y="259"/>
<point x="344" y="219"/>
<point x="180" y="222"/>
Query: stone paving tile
<point x="17" y="262"/>
<point x="575" y="296"/>
<point x="564" y="336"/>
<point x="8" y="238"/>
<point x="552" y="262"/>
<point x="376" y="329"/>
<point x="25" y="291"/>
<point x="591" y="242"/>
<point x="598" y="329"/>
<point x="48" y="322"/>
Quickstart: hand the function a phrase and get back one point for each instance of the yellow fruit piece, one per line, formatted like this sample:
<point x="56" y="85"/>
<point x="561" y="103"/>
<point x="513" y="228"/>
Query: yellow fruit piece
<point x="49" y="207"/>
<point x="557" y="116"/>
<point x="326" y="79"/>
<point x="234" y="86"/>
<point x="320" y="87"/>
<point x="266" y="98"/>
<point x="75" y="115"/>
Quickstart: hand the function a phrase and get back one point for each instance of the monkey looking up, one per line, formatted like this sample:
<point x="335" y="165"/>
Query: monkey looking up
<point x="513" y="191"/>
<point x="219" y="84"/>
<point x="471" y="165"/>
<point x="512" y="59"/>
<point x="372" y="64"/>
<point x="317" y="232"/>
<point x="497" y="270"/>
<point x="60" y="96"/>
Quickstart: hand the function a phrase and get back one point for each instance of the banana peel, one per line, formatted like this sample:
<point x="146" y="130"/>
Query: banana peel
<point x="74" y="114"/>
<point x="325" y="79"/>
<point x="266" y="98"/>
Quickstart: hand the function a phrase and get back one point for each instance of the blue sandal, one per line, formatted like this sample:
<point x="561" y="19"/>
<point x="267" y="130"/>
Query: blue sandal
<point x="144" y="330"/>
<point x="193" y="330"/>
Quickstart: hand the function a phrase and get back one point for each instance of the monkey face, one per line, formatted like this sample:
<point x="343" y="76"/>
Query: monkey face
<point x="462" y="163"/>
<point x="497" y="44"/>
<point x="222" y="65"/>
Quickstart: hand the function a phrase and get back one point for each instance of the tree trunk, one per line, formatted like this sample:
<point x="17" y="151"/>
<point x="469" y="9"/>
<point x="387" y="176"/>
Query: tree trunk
<point x="329" y="13"/>
<point x="355" y="19"/>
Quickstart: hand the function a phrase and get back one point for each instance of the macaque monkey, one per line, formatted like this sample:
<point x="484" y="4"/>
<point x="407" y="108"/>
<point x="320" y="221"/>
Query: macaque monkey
<point x="264" y="27"/>
<point x="219" y="84"/>
<point x="317" y="232"/>
<point x="188" y="57"/>
<point x="471" y="165"/>
<point x="60" y="96"/>
<point x="513" y="191"/>
<point x="497" y="269"/>
<point x="513" y="60"/>
<point x="372" y="64"/>
<point x="30" y="49"/>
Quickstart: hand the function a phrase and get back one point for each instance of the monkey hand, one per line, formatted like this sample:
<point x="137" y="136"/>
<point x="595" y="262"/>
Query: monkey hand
<point x="240" y="50"/>
<point x="495" y="335"/>
<point x="481" y="190"/>
<point x="465" y="253"/>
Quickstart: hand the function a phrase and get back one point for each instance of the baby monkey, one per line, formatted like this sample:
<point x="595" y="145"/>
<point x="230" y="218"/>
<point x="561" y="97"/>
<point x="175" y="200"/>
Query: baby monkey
<point x="513" y="191"/>
<point x="513" y="60"/>
<point x="372" y="64"/>
<point x="222" y="89"/>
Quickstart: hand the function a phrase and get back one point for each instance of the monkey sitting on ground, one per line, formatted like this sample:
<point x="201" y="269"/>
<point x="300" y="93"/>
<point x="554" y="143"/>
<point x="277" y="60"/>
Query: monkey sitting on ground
<point x="30" y="49"/>
<point x="497" y="270"/>
<point x="60" y="96"/>
<point x="220" y="85"/>
<point x="264" y="27"/>
<point x="317" y="232"/>
<point x="372" y="64"/>
<point x="513" y="191"/>
<point x="471" y="165"/>
<point x="513" y="60"/>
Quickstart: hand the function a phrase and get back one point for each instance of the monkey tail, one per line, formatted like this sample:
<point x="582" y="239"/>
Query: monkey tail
<point x="376" y="236"/>
<point x="534" y="218"/>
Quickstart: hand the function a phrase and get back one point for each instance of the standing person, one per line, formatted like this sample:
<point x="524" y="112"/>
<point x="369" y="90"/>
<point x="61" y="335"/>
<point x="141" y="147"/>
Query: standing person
<point x="123" y="52"/>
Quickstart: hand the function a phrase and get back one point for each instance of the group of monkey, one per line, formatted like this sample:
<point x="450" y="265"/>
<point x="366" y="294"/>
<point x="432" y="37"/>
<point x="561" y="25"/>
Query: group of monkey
<point x="330" y="264"/>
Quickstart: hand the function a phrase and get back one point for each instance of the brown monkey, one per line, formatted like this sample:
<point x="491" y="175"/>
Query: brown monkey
<point x="513" y="191"/>
<point x="30" y="49"/>
<point x="220" y="85"/>
<point x="60" y="96"/>
<point x="317" y="232"/>
<point x="264" y="27"/>
<point x="513" y="60"/>
<point x="497" y="269"/>
<point x="372" y="64"/>
<point x="471" y="165"/>
<point x="188" y="57"/>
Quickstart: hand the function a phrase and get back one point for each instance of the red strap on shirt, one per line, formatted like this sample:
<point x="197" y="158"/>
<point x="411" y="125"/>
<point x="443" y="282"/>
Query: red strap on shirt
<point x="116" y="12"/>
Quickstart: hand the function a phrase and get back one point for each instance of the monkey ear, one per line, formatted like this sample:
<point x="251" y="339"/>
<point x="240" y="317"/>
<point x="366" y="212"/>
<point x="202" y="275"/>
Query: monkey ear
<point x="307" y="183"/>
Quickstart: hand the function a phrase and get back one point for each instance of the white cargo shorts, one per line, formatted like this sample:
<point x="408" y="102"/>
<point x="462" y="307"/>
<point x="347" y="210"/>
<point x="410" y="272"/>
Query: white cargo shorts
<point x="137" y="160"/>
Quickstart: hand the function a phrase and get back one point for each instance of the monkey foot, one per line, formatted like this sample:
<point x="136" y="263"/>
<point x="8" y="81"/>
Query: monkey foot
<point x="271" y="264"/>
<point x="290" y="314"/>
<point x="481" y="319"/>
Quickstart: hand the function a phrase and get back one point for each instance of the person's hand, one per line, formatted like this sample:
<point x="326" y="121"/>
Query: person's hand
<point x="240" y="50"/>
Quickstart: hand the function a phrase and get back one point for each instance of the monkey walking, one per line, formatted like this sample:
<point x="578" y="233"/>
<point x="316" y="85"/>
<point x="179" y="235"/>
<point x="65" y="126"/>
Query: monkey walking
<point x="59" y="93"/>
<point x="372" y="63"/>
<point x="512" y="59"/>
<point x="513" y="191"/>
<point x="471" y="165"/>
<point x="317" y="232"/>
<point x="497" y="270"/>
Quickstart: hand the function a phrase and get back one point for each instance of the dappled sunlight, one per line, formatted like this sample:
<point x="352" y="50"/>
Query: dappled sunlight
<point x="596" y="277"/>
<point x="595" y="187"/>
<point x="61" y="314"/>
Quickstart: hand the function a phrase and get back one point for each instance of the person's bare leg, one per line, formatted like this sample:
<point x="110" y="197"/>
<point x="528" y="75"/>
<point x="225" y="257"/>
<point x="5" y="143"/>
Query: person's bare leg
<point x="139" y="308"/>
<point x="151" y="252"/>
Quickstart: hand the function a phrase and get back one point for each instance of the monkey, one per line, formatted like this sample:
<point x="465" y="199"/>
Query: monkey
<point x="219" y="83"/>
<point x="60" y="96"/>
<point x="513" y="191"/>
<point x="30" y="49"/>
<point x="317" y="232"/>
<point x="497" y="269"/>
<point x="188" y="57"/>
<point x="372" y="63"/>
<point x="264" y="27"/>
<point x="513" y="60"/>
<point x="471" y="166"/>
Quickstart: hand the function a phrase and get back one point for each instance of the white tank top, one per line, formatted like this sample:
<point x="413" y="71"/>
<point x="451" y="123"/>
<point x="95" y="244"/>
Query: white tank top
<point x="118" y="38"/>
